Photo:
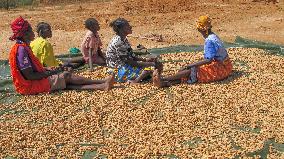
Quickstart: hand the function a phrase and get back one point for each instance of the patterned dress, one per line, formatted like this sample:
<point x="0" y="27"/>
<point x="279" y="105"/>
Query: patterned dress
<point x="118" y="52"/>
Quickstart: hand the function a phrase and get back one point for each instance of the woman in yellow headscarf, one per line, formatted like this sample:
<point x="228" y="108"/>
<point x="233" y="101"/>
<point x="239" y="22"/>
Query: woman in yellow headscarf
<point x="215" y="66"/>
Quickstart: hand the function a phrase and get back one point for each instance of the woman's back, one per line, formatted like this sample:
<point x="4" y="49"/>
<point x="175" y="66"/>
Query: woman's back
<point x="214" y="48"/>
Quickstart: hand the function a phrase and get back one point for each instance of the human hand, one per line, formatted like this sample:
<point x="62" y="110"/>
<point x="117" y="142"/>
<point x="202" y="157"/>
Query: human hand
<point x="66" y="74"/>
<point x="184" y="68"/>
<point x="159" y="66"/>
<point x="140" y="47"/>
<point x="50" y="68"/>
<point x="69" y="69"/>
<point x="151" y="59"/>
<point x="181" y="69"/>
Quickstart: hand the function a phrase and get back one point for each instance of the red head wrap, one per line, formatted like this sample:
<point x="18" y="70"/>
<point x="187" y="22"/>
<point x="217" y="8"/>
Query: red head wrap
<point x="19" y="26"/>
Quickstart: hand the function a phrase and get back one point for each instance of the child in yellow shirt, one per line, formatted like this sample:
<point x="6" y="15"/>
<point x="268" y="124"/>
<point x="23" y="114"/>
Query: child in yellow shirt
<point x="43" y="50"/>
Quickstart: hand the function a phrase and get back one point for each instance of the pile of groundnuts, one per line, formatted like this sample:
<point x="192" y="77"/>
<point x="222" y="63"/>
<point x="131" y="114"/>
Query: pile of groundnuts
<point x="226" y="119"/>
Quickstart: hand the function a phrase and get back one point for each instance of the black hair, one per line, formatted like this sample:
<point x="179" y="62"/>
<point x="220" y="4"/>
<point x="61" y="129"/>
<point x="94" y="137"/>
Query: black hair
<point x="41" y="27"/>
<point x="90" y="22"/>
<point x="118" y="24"/>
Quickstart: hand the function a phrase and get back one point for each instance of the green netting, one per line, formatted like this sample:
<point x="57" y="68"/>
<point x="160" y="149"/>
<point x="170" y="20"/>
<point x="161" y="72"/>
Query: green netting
<point x="7" y="92"/>
<point x="270" y="47"/>
<point x="176" y="49"/>
<point x="8" y="95"/>
<point x="239" y="42"/>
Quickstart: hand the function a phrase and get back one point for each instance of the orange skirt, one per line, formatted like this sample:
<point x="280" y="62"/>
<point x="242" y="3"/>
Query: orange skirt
<point x="214" y="71"/>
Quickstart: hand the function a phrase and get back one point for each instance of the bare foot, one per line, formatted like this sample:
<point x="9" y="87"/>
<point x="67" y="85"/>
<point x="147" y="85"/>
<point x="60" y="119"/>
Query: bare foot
<point x="132" y="82"/>
<point x="109" y="82"/>
<point x="156" y="72"/>
<point x="157" y="79"/>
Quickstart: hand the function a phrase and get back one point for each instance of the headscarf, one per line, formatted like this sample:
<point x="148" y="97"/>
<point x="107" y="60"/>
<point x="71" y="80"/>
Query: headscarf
<point x="204" y="23"/>
<point x="19" y="26"/>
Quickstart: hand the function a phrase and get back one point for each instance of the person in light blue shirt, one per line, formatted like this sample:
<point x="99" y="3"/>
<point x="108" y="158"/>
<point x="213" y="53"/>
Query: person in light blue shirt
<point x="215" y="66"/>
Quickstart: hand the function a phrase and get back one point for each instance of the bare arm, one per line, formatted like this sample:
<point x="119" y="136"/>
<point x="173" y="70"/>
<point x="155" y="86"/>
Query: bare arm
<point x="51" y="68"/>
<point x="133" y="62"/>
<point x="146" y="59"/>
<point x="29" y="74"/>
<point x="202" y="62"/>
<point x="91" y="51"/>
<point x="136" y="58"/>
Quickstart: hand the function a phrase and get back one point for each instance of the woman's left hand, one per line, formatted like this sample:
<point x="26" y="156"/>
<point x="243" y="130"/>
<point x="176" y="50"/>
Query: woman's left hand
<point x="152" y="59"/>
<point x="69" y="69"/>
<point x="50" y="68"/>
<point x="159" y="66"/>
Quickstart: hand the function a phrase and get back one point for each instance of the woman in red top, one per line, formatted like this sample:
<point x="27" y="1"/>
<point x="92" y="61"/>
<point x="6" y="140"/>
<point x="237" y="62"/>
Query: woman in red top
<point x="30" y="77"/>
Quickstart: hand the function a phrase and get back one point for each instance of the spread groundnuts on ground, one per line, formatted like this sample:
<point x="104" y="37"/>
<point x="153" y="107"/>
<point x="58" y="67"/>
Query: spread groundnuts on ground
<point x="229" y="118"/>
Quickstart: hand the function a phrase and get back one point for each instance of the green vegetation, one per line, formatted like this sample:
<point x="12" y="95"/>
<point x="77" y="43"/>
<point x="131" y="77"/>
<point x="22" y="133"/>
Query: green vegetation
<point x="7" y="4"/>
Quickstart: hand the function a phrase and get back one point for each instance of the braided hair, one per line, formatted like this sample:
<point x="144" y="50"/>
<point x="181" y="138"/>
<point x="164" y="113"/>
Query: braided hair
<point x="118" y="25"/>
<point x="41" y="28"/>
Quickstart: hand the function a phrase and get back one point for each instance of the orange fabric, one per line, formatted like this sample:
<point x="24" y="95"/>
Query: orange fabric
<point x="23" y="86"/>
<point x="214" y="71"/>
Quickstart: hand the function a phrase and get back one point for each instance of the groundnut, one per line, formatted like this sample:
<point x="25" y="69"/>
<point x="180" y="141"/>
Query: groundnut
<point x="142" y="121"/>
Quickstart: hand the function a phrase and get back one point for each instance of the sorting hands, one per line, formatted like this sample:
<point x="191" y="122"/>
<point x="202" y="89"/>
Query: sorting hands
<point x="183" y="68"/>
<point x="66" y="71"/>
<point x="152" y="59"/>
<point x="66" y="67"/>
<point x="50" y="68"/>
<point x="158" y="64"/>
<point x="66" y="74"/>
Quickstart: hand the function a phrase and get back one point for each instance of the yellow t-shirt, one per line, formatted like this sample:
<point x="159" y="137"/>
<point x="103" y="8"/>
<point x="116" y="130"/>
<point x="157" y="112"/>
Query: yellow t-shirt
<point x="43" y="50"/>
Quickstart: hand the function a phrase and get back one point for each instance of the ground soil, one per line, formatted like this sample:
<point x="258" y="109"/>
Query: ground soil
<point x="239" y="117"/>
<point x="174" y="20"/>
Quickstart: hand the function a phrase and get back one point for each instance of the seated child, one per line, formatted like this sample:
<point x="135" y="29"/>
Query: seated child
<point x="91" y="45"/>
<point x="121" y="58"/>
<point x="215" y="66"/>
<point x="29" y="75"/>
<point x="43" y="50"/>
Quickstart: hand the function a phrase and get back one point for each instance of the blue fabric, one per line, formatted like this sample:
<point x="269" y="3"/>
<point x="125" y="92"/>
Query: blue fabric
<point x="210" y="49"/>
<point x="127" y="72"/>
<point x="193" y="76"/>
<point x="214" y="48"/>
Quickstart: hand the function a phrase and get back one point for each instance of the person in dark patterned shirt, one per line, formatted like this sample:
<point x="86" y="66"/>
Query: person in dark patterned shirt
<point x="119" y="56"/>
